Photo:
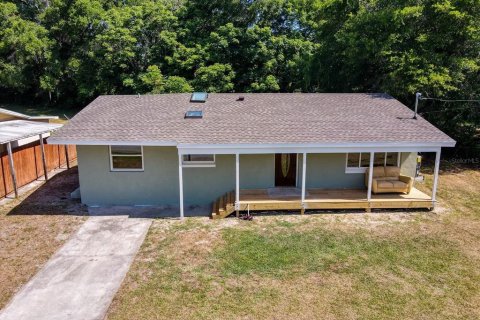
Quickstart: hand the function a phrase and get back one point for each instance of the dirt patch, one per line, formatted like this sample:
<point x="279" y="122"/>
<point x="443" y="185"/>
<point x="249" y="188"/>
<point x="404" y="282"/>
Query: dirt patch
<point x="33" y="227"/>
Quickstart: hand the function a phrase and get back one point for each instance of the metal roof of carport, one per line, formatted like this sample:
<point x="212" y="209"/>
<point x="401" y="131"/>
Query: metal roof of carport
<point x="20" y="129"/>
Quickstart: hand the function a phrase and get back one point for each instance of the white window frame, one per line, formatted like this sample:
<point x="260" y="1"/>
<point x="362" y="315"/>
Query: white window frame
<point x="126" y="155"/>
<point x="360" y="169"/>
<point x="199" y="164"/>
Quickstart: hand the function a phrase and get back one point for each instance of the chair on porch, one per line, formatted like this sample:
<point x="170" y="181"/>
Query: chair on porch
<point x="389" y="180"/>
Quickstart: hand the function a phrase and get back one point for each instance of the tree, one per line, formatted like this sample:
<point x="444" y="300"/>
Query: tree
<point x="24" y="49"/>
<point x="175" y="84"/>
<point x="70" y="51"/>
<point x="215" y="78"/>
<point x="153" y="79"/>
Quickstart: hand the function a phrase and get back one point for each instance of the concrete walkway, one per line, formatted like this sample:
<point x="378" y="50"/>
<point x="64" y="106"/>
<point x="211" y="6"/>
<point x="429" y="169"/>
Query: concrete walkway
<point x="80" y="280"/>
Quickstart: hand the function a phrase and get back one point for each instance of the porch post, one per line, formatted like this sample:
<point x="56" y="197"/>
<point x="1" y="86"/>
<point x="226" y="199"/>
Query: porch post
<point x="12" y="168"/>
<point x="44" y="161"/>
<point x="435" y="176"/>
<point x="237" y="184"/>
<point x="180" y="183"/>
<point x="304" y="178"/>
<point x="370" y="178"/>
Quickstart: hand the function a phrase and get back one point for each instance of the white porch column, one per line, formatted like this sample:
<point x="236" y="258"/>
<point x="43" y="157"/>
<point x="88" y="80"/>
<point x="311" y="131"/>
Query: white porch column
<point x="180" y="183"/>
<point x="44" y="161"/>
<point x="370" y="176"/>
<point x="12" y="169"/>
<point x="237" y="182"/>
<point x="304" y="178"/>
<point x="435" y="176"/>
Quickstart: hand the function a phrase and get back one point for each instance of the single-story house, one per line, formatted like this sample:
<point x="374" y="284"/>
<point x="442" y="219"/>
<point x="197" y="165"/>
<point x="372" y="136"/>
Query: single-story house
<point x="251" y="151"/>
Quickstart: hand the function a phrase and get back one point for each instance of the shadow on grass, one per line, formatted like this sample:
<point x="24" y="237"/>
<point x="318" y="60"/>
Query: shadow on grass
<point x="53" y="197"/>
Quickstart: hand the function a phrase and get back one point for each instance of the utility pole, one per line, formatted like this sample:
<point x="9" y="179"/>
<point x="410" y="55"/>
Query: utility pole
<point x="418" y="96"/>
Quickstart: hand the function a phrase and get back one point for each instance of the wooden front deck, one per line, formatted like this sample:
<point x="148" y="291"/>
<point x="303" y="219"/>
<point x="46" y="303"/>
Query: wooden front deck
<point x="276" y="199"/>
<point x="266" y="199"/>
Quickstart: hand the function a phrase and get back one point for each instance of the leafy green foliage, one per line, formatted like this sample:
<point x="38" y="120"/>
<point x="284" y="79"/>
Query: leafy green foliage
<point x="175" y="84"/>
<point x="70" y="51"/>
<point x="215" y="78"/>
<point x="24" y="48"/>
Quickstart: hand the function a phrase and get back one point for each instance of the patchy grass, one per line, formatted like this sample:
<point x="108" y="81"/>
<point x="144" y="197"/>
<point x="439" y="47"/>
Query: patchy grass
<point x="33" y="227"/>
<point x="40" y="109"/>
<point x="401" y="265"/>
<point x="287" y="254"/>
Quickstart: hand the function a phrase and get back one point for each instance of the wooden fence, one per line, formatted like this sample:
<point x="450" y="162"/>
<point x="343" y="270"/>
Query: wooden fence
<point x="28" y="164"/>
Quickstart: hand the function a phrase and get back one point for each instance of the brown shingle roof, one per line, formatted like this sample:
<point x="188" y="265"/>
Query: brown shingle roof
<point x="262" y="118"/>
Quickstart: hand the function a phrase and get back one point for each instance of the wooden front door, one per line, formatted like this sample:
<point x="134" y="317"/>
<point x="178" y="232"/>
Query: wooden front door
<point x="285" y="169"/>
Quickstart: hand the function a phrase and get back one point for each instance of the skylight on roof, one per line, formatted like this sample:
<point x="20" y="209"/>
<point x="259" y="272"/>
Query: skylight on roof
<point x="199" y="97"/>
<point x="194" y="114"/>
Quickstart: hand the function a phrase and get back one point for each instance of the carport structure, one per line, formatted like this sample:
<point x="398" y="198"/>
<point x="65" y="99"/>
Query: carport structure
<point x="16" y="130"/>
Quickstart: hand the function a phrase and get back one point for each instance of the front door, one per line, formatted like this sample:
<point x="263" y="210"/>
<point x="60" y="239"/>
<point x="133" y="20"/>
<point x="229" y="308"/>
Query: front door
<point x="285" y="169"/>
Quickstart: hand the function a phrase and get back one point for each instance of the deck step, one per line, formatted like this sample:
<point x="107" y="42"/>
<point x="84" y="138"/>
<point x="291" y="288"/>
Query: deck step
<point x="214" y="209"/>
<point x="223" y="206"/>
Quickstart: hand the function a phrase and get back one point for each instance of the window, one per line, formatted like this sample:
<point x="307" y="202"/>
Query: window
<point x="199" y="97"/>
<point x="359" y="162"/>
<point x="126" y="158"/>
<point x="392" y="159"/>
<point x="198" y="160"/>
<point x="194" y="114"/>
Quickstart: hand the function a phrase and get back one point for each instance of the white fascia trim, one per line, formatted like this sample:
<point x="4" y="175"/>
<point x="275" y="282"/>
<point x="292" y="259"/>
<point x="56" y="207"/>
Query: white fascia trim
<point x="185" y="148"/>
<point x="54" y="140"/>
<point x="320" y="145"/>
<point x="307" y="148"/>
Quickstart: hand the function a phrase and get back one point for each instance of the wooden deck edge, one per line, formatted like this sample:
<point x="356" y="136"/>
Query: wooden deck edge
<point x="224" y="206"/>
<point x="401" y="204"/>
<point x="408" y="204"/>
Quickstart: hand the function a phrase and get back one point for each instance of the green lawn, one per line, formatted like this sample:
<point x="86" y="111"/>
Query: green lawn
<point x="40" y="110"/>
<point x="397" y="265"/>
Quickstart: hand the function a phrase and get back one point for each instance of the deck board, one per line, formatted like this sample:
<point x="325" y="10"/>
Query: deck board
<point x="262" y="199"/>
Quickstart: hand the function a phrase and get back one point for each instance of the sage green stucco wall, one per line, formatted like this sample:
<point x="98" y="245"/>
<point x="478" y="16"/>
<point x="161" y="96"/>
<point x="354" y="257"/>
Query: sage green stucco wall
<point x="257" y="171"/>
<point x="201" y="186"/>
<point x="327" y="170"/>
<point x="158" y="183"/>
<point x="408" y="163"/>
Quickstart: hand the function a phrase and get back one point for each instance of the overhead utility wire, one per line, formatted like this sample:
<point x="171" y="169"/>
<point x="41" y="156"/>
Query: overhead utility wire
<point x="446" y="110"/>
<point x="449" y="100"/>
<point x="418" y="97"/>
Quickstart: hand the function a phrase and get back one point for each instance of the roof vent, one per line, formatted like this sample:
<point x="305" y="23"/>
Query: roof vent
<point x="194" y="114"/>
<point x="241" y="98"/>
<point x="199" y="97"/>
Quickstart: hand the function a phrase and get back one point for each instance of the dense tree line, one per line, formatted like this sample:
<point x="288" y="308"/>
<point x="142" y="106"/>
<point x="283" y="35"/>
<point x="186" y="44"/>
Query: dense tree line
<point x="69" y="51"/>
